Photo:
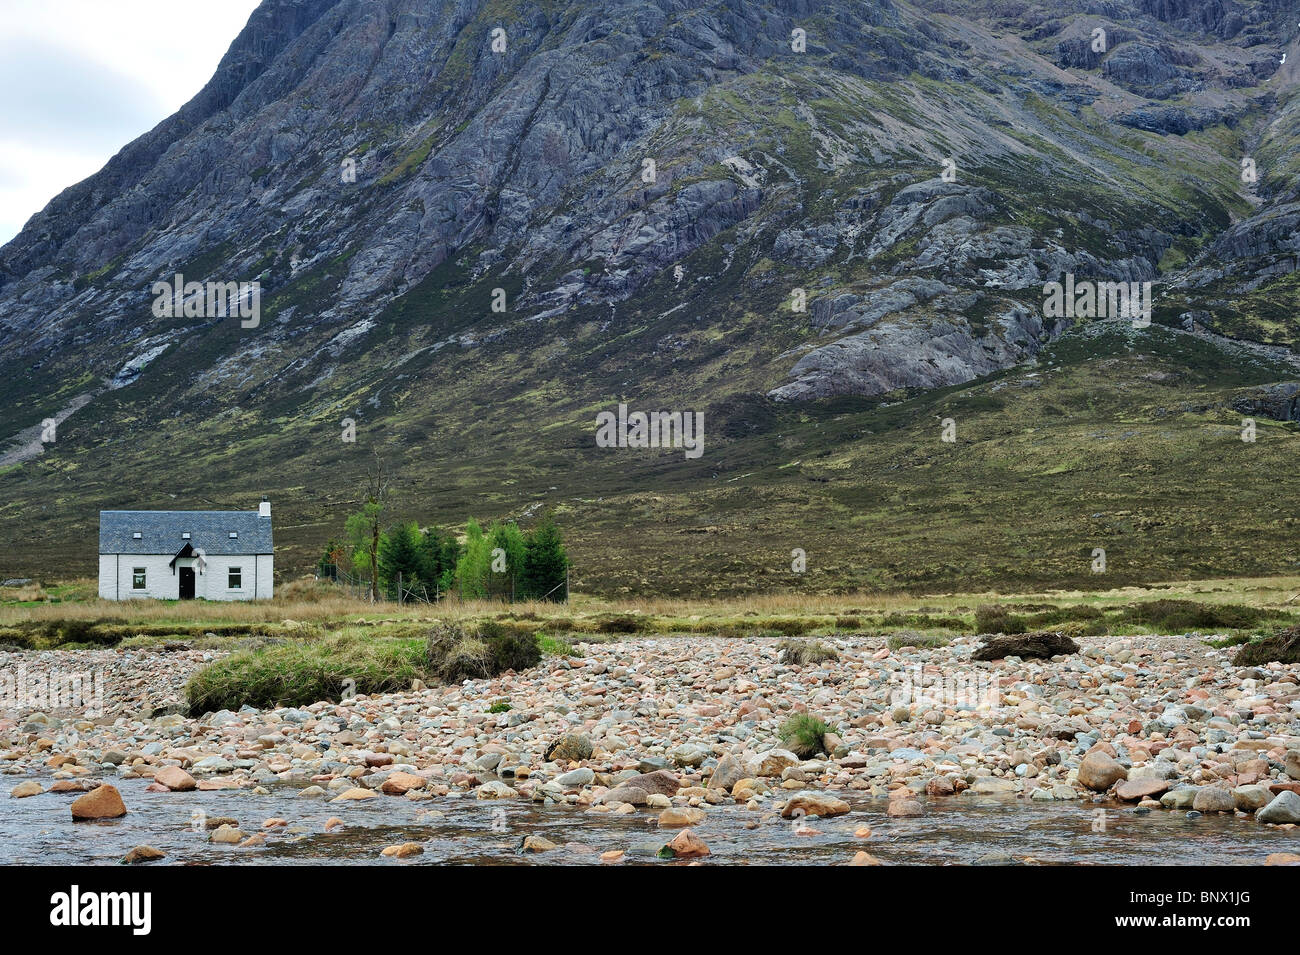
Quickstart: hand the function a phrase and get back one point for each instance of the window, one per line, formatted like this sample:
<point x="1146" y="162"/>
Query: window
<point x="135" y="536"/>
<point x="137" y="578"/>
<point x="185" y="536"/>
<point x="236" y="580"/>
<point x="234" y="534"/>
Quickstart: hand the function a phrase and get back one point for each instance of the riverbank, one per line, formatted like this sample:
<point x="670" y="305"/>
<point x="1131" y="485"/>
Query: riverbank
<point x="672" y="733"/>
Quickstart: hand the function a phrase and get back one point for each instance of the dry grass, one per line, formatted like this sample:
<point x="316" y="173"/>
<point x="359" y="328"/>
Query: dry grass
<point x="315" y="605"/>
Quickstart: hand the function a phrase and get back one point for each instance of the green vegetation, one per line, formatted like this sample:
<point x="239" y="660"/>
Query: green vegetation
<point x="304" y="672"/>
<point x="804" y="735"/>
<point x="1174" y="615"/>
<point x="1158" y="616"/>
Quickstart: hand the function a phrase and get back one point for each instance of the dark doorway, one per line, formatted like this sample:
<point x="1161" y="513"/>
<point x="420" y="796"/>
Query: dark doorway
<point x="187" y="583"/>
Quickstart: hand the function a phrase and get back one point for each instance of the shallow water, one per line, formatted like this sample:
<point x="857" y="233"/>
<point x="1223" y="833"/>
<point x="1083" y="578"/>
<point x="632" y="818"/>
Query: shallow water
<point x="39" y="830"/>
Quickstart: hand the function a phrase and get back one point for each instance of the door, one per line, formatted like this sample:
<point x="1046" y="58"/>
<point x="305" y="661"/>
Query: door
<point x="187" y="583"/>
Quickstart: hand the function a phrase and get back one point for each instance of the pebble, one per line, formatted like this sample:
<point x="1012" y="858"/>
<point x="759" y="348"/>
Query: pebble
<point x="695" y="724"/>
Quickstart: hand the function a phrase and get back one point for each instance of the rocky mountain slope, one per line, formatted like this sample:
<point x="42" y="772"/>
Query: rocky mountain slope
<point x="476" y="224"/>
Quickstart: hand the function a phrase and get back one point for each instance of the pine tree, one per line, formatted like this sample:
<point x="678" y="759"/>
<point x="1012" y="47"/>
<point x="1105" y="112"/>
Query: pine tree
<point x="439" y="553"/>
<point x="399" y="559"/>
<point x="546" y="564"/>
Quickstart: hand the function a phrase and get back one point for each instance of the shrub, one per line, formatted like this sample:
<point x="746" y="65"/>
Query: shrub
<point x="1175" y="615"/>
<point x="460" y="658"/>
<point x="847" y="623"/>
<point x="804" y="735"/>
<point x="619" y="623"/>
<point x="791" y="628"/>
<point x="805" y="652"/>
<point x="515" y="651"/>
<point x="914" y="620"/>
<point x="454" y="652"/>
<point x="995" y="618"/>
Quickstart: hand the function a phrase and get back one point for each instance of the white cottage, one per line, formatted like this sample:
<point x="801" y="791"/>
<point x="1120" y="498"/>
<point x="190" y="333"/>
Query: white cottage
<point x="170" y="555"/>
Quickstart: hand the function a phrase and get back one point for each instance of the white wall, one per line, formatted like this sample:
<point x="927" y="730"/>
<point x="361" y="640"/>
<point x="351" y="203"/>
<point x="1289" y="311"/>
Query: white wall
<point x="116" y="571"/>
<point x="108" y="576"/>
<point x="160" y="583"/>
<point x="257" y="575"/>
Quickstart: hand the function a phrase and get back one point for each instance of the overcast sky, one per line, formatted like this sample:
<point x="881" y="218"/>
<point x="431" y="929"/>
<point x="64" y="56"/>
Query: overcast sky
<point x="79" y="79"/>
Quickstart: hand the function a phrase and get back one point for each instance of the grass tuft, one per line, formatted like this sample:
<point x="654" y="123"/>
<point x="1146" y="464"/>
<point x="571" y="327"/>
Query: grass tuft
<point x="804" y="735"/>
<point x="300" y="673"/>
<point x="805" y="652"/>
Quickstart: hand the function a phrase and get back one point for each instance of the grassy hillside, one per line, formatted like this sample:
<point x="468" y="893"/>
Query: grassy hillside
<point x="1117" y="439"/>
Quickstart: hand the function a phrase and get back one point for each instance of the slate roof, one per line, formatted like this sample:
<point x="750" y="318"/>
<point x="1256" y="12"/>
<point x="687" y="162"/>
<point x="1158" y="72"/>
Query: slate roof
<point x="160" y="532"/>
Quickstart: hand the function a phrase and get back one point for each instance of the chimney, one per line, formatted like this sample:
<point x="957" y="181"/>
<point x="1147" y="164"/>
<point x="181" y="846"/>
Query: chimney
<point x="264" y="509"/>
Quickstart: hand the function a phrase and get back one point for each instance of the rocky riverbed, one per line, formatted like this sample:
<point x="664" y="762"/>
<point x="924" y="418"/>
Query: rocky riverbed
<point x="649" y="743"/>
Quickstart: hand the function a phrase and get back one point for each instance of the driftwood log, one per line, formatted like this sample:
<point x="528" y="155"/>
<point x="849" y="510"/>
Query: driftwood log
<point x="1044" y="643"/>
<point x="1281" y="647"/>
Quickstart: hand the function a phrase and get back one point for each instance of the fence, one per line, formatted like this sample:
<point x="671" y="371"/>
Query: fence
<point x="360" y="588"/>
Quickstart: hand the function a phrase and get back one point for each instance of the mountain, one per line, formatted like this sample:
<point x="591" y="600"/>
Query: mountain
<point x="476" y="225"/>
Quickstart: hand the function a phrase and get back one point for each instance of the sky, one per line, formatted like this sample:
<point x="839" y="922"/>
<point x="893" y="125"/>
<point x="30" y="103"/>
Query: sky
<point x="79" y="79"/>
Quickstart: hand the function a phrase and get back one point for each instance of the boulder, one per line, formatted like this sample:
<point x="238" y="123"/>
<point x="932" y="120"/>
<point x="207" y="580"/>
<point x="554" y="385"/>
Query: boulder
<point x="660" y="781"/>
<point x="403" y="851"/>
<point x="676" y="816"/>
<point x="1250" y="798"/>
<point x="538" y="844"/>
<point x="575" y="778"/>
<point x="1181" y="797"/>
<point x="940" y="786"/>
<point x="226" y="835"/>
<point x="571" y="747"/>
<point x="993" y="786"/>
<point x="772" y="762"/>
<point x="686" y="845"/>
<point x="632" y="795"/>
<point x="727" y="773"/>
<point x="1284" y="808"/>
<point x="1131" y="790"/>
<point x="354" y="794"/>
<point x="142" y="854"/>
<point x="1214" y="799"/>
<point x="103" y="802"/>
<point x="688" y="754"/>
<point x="175" y="779"/>
<point x="807" y="803"/>
<point x="400" y="783"/>
<point x="1099" y="772"/>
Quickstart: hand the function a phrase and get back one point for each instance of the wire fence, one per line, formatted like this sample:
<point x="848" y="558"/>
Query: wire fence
<point x="402" y="592"/>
